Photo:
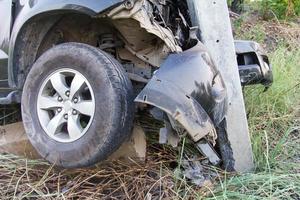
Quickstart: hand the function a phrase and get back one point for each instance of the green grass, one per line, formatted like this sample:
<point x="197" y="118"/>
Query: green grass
<point x="272" y="113"/>
<point x="256" y="33"/>
<point x="279" y="9"/>
<point x="275" y="136"/>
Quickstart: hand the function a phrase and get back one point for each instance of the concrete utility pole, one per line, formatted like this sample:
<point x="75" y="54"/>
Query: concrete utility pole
<point x="212" y="18"/>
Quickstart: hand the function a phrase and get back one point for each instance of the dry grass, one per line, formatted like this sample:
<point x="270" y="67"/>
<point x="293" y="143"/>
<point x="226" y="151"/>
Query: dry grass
<point x="23" y="179"/>
<point x="270" y="34"/>
<point x="156" y="179"/>
<point x="9" y="114"/>
<point x="161" y="177"/>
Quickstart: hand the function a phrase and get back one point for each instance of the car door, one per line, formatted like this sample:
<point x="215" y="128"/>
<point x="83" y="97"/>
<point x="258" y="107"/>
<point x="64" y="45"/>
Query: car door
<point x="5" y="27"/>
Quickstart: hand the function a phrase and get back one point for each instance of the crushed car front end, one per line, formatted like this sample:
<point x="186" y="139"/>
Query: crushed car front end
<point x="172" y="73"/>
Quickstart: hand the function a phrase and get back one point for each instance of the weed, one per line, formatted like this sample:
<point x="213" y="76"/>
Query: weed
<point x="274" y="134"/>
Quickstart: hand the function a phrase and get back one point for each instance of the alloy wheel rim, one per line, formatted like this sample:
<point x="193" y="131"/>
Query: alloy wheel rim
<point x="66" y="105"/>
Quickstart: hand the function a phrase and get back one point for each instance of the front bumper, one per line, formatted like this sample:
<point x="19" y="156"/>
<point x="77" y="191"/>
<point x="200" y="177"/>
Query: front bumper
<point x="189" y="88"/>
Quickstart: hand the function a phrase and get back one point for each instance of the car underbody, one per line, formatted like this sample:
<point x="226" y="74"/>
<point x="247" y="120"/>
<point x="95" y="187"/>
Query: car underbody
<point x="172" y="73"/>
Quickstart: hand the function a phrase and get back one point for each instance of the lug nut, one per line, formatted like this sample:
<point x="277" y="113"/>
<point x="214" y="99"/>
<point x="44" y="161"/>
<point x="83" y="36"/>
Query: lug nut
<point x="75" y="100"/>
<point x="66" y="116"/>
<point x="74" y="112"/>
<point x="59" y="110"/>
<point x="60" y="99"/>
<point x="67" y="93"/>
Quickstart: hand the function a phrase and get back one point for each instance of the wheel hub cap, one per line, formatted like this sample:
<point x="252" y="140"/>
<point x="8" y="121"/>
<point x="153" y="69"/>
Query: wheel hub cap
<point x="66" y="105"/>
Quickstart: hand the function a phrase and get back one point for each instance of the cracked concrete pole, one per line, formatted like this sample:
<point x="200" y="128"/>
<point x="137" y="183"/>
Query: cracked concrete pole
<point x="212" y="18"/>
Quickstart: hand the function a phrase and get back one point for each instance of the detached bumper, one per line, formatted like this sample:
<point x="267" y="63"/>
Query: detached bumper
<point x="189" y="89"/>
<point x="254" y="65"/>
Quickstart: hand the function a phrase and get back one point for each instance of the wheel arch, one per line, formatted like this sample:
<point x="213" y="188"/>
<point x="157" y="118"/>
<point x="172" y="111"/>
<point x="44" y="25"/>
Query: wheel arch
<point x="34" y="21"/>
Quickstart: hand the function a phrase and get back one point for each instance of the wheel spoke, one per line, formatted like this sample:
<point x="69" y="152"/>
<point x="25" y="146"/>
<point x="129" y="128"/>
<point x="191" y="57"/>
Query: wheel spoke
<point x="66" y="105"/>
<point x="55" y="123"/>
<point x="59" y="84"/>
<point x="49" y="103"/>
<point x="85" y="107"/>
<point x="74" y="128"/>
<point x="76" y="85"/>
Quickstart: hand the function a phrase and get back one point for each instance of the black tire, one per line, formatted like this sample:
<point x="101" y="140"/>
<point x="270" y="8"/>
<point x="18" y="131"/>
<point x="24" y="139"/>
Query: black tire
<point x="113" y="119"/>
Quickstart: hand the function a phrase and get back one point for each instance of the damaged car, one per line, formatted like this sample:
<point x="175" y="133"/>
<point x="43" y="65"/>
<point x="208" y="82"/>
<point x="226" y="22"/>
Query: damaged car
<point x="82" y="70"/>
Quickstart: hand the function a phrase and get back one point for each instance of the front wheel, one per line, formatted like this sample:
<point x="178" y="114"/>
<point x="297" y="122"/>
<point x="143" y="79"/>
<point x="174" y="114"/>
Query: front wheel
<point x="77" y="105"/>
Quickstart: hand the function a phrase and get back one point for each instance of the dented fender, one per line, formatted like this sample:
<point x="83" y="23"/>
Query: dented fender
<point x="190" y="89"/>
